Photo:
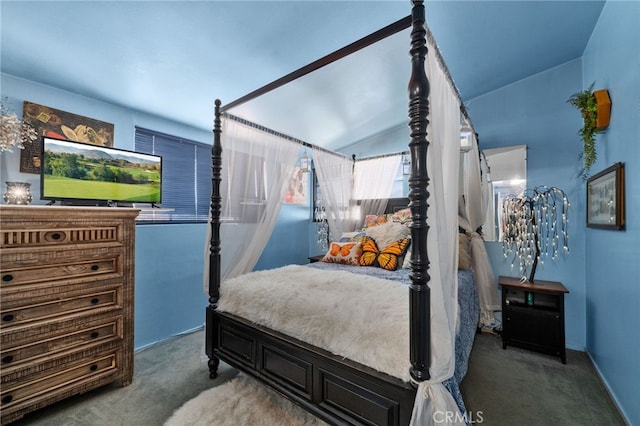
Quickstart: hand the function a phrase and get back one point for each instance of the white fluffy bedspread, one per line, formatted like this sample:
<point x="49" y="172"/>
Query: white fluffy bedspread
<point x="362" y="318"/>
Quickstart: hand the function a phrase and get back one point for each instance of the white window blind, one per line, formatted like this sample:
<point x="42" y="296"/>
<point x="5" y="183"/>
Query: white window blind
<point x="186" y="175"/>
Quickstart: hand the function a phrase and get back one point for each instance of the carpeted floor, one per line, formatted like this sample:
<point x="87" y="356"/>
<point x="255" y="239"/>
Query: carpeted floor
<point x="502" y="387"/>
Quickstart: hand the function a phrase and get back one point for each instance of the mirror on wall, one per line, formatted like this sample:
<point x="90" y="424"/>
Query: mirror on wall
<point x="507" y="174"/>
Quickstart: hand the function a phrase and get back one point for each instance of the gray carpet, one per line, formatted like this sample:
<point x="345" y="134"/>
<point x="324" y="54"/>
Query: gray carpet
<point x="502" y="387"/>
<point x="518" y="387"/>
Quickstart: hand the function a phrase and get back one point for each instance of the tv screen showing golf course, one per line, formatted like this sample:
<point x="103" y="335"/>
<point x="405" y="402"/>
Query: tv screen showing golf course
<point x="78" y="171"/>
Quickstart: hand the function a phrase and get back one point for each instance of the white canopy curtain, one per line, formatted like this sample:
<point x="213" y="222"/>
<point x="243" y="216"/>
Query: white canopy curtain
<point x="373" y="197"/>
<point x="335" y="177"/>
<point x="489" y="229"/>
<point x="443" y="133"/>
<point x="472" y="213"/>
<point x="256" y="168"/>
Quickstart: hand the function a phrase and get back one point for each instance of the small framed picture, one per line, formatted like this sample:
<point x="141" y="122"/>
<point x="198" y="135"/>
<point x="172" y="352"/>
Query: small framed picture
<point x="605" y="198"/>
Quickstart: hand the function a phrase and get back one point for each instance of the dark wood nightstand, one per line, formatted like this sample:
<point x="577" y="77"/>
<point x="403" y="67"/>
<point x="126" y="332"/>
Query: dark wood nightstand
<point x="533" y="315"/>
<point x="315" y="258"/>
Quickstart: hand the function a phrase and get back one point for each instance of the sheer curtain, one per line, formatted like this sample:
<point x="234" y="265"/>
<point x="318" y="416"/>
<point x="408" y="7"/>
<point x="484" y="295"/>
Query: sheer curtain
<point x="443" y="162"/>
<point x="335" y="177"/>
<point x="489" y="229"/>
<point x="256" y="168"/>
<point x="373" y="198"/>
<point x="472" y="216"/>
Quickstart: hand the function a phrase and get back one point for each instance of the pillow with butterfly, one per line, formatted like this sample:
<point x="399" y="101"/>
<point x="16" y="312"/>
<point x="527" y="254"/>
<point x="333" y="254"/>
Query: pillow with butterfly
<point x="347" y="253"/>
<point x="385" y="245"/>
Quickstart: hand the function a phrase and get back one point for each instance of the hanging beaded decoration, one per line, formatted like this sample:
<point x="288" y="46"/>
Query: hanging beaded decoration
<point x="535" y="226"/>
<point x="320" y="216"/>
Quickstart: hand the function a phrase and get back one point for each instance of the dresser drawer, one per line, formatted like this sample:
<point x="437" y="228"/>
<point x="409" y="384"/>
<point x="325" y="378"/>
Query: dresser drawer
<point x="18" y="237"/>
<point x="19" y="270"/>
<point x="62" y="304"/>
<point x="92" y="333"/>
<point x="62" y="375"/>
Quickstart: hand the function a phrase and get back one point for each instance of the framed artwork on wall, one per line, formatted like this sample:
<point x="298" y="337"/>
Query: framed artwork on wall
<point x="605" y="198"/>
<point x="58" y="124"/>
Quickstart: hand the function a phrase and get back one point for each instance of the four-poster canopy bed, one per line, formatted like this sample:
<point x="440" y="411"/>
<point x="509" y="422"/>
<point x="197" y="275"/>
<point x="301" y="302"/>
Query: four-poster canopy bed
<point x="335" y="379"/>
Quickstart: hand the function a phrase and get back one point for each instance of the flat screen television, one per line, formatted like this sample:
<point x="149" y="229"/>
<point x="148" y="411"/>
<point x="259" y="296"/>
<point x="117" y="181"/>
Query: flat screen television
<point x="86" y="174"/>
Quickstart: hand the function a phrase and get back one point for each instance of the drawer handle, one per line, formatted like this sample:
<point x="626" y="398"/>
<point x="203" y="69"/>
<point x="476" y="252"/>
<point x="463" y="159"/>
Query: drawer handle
<point x="56" y="236"/>
<point x="95" y="335"/>
<point x="7" y="278"/>
<point x="95" y="267"/>
<point x="7" y="399"/>
<point x="8" y="318"/>
<point x="7" y="359"/>
<point x="95" y="301"/>
<point x="94" y="367"/>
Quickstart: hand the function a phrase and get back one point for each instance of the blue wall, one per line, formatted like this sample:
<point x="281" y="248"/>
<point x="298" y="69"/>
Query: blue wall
<point x="603" y="307"/>
<point x="534" y="112"/>
<point x="612" y="60"/>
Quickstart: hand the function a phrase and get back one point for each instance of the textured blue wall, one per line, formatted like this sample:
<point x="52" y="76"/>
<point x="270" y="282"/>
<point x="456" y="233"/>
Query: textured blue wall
<point x="612" y="60"/>
<point x="603" y="308"/>
<point x="534" y="112"/>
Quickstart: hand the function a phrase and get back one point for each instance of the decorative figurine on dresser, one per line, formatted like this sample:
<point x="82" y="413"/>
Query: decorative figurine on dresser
<point x="534" y="227"/>
<point x="67" y="288"/>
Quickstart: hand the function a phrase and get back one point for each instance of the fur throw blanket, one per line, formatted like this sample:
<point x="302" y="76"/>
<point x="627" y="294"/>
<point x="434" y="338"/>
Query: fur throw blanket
<point x="362" y="318"/>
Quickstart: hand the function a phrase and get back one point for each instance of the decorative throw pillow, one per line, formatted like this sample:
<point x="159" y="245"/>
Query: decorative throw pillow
<point x="351" y="236"/>
<point x="346" y="253"/>
<point x="387" y="233"/>
<point x="402" y="216"/>
<point x="387" y="258"/>
<point x="464" y="251"/>
<point x="372" y="220"/>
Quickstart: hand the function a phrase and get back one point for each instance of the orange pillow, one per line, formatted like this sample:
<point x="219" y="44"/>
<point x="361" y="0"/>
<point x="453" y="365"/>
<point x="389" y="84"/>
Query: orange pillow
<point x="347" y="253"/>
<point x="387" y="258"/>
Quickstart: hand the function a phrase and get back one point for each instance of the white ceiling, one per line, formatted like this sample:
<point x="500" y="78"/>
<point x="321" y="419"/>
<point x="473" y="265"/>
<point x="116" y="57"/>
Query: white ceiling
<point x="173" y="58"/>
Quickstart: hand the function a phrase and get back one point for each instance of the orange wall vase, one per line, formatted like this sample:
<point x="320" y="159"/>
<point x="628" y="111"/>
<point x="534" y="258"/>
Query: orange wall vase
<point x="604" y="108"/>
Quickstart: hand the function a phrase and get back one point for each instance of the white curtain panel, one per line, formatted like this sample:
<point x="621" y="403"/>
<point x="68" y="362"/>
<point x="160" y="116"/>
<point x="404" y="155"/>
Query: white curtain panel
<point x="335" y="177"/>
<point x="471" y="185"/>
<point x="489" y="230"/>
<point x="443" y="162"/>
<point x="373" y="182"/>
<point x="473" y="213"/>
<point x="256" y="168"/>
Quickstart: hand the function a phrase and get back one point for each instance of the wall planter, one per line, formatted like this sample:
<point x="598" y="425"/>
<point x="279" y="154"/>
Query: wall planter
<point x="595" y="108"/>
<point x="603" y="114"/>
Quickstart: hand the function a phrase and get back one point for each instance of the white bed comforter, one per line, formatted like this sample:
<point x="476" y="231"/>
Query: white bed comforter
<point x="362" y="318"/>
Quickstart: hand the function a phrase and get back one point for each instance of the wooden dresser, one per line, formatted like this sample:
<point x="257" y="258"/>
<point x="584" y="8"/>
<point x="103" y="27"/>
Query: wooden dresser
<point x="66" y="302"/>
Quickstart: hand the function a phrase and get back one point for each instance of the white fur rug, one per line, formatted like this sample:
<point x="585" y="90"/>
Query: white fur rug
<point x="241" y="402"/>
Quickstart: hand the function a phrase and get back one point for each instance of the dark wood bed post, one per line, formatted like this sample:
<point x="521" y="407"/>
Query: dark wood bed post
<point x="214" y="250"/>
<point x="419" y="294"/>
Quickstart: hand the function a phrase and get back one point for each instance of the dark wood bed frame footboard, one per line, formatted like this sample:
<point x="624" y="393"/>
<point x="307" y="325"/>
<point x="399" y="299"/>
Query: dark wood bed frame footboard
<point x="336" y="390"/>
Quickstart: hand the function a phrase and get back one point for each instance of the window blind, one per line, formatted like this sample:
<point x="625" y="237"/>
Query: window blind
<point x="186" y="175"/>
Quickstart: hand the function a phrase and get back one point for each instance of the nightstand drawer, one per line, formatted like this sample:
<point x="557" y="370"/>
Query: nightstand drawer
<point x="537" y="329"/>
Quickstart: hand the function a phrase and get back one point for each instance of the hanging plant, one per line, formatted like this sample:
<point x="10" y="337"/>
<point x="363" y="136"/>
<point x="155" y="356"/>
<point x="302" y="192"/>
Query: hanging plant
<point x="591" y="105"/>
